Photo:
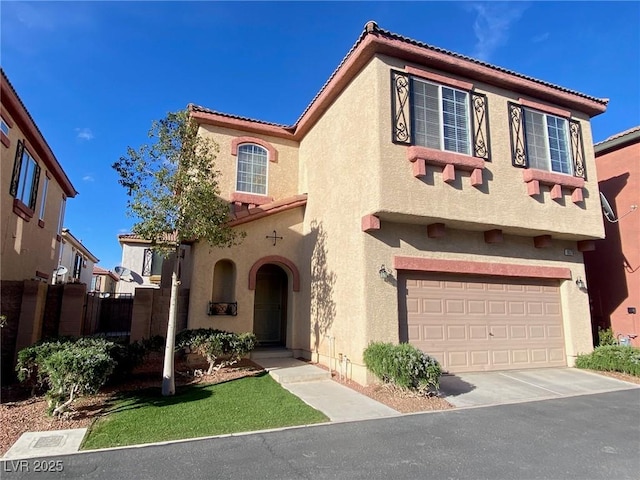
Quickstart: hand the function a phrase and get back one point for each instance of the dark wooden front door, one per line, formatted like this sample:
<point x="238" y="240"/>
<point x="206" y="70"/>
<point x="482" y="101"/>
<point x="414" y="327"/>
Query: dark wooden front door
<point x="270" y="305"/>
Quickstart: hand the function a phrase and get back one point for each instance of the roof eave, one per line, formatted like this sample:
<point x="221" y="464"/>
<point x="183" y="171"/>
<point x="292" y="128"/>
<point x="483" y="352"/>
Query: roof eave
<point x="22" y="117"/>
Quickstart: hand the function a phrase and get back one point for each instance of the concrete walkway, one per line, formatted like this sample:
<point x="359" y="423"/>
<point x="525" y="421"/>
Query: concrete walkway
<point x="46" y="444"/>
<point x="314" y="386"/>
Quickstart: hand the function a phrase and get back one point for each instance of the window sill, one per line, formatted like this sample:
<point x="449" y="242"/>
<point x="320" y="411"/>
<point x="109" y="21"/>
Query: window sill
<point x="423" y="156"/>
<point x="250" y="198"/>
<point x="22" y="210"/>
<point x="5" y="140"/>
<point x="557" y="181"/>
<point x="41" y="223"/>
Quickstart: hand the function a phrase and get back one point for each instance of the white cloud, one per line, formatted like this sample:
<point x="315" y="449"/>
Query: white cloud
<point x="84" y="134"/>
<point x="492" y="24"/>
<point x="88" y="178"/>
<point x="541" y="37"/>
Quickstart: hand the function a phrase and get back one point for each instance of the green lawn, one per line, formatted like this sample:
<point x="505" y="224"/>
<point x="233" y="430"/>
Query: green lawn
<point x="250" y="403"/>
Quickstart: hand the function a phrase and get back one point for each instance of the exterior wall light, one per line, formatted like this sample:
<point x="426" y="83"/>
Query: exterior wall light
<point x="580" y="283"/>
<point x="383" y="272"/>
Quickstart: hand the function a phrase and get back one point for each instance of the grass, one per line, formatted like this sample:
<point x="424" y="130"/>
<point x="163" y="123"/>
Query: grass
<point x="250" y="403"/>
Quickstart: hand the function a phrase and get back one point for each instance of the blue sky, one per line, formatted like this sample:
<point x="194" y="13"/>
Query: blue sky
<point x="95" y="74"/>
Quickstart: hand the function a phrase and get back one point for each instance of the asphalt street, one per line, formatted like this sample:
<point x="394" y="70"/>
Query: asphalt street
<point x="585" y="437"/>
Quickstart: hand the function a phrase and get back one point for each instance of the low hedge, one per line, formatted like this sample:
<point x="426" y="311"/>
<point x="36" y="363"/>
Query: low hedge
<point x="404" y="366"/>
<point x="612" y="358"/>
<point x="219" y="347"/>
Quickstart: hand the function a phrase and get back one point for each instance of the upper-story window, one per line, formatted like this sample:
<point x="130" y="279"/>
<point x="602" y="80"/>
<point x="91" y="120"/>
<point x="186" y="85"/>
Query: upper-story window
<point x="152" y="262"/>
<point x="440" y="117"/>
<point x="439" y="113"/>
<point x="77" y="266"/>
<point x="252" y="169"/>
<point x="547" y="138"/>
<point x="4" y="128"/>
<point x="26" y="174"/>
<point x="43" y="199"/>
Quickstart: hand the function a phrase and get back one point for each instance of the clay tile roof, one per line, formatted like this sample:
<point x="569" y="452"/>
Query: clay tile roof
<point x="619" y="135"/>
<point x="122" y="238"/>
<point x="268" y="209"/>
<point x="197" y="108"/>
<point x="371" y="28"/>
<point x="103" y="271"/>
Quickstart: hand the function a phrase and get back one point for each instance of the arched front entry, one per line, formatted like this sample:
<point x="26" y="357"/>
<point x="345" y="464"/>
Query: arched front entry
<point x="270" y="305"/>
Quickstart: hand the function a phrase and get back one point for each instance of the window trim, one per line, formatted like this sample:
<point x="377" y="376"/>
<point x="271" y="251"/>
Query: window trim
<point x="266" y="185"/>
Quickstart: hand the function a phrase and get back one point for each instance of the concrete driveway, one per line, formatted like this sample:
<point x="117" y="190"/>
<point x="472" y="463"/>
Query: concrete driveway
<point x="513" y="386"/>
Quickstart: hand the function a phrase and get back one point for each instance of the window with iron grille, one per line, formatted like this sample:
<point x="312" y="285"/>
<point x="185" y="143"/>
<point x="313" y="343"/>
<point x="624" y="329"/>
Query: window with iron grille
<point x="543" y="141"/>
<point x="152" y="263"/>
<point x="77" y="266"/>
<point x="26" y="174"/>
<point x="439" y="116"/>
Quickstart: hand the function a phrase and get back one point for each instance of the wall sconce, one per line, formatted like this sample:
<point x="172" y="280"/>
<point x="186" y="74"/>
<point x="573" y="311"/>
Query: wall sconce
<point x="580" y="283"/>
<point x="383" y="272"/>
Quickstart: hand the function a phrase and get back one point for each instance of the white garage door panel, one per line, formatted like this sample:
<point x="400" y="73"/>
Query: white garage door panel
<point x="479" y="323"/>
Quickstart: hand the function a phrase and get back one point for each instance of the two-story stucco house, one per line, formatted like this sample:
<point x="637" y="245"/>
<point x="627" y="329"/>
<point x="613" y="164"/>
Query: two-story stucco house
<point x="423" y="197"/>
<point x="35" y="189"/>
<point x="77" y="260"/>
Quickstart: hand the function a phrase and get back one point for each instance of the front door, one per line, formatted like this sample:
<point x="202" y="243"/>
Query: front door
<point x="270" y="306"/>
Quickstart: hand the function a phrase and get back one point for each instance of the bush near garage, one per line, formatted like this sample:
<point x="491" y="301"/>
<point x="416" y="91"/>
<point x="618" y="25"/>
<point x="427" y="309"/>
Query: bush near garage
<point x="220" y="348"/>
<point x="612" y="358"/>
<point x="403" y="366"/>
<point x="606" y="337"/>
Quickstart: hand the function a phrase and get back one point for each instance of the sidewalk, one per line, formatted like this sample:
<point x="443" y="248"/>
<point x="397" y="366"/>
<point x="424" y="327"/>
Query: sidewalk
<point x="314" y="386"/>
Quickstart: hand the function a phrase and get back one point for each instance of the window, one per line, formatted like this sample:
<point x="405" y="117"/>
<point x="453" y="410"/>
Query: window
<point x="252" y="169"/>
<point x="61" y="216"/>
<point x="440" y="117"/>
<point x="43" y="199"/>
<point x="547" y="142"/>
<point x="4" y="128"/>
<point x="437" y="113"/>
<point x="26" y="174"/>
<point x="152" y="263"/>
<point x="77" y="266"/>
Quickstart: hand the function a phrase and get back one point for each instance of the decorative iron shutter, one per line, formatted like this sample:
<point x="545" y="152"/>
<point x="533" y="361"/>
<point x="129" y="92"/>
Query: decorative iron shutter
<point x="480" y="125"/>
<point x="577" y="149"/>
<point x="516" y="131"/>
<point x="400" y="108"/>
<point x="17" y="164"/>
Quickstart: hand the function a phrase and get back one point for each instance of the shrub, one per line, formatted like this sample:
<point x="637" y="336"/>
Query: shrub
<point x="403" y="366"/>
<point x="67" y="367"/>
<point x="220" y="348"/>
<point x="612" y="358"/>
<point x="606" y="337"/>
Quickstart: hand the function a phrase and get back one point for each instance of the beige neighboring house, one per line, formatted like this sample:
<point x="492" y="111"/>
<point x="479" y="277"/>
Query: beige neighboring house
<point x="104" y="281"/>
<point x="423" y="197"/>
<point x="35" y="189"/>
<point x="76" y="261"/>
<point x="145" y="267"/>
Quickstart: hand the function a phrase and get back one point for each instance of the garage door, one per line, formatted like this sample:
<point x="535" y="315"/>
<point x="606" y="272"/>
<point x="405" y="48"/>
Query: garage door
<point x="480" y="323"/>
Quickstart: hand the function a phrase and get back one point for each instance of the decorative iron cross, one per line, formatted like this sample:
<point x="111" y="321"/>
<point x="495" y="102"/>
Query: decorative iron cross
<point x="274" y="237"/>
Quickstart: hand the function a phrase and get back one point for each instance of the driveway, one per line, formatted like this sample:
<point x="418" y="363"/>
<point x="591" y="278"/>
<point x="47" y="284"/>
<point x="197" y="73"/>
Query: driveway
<point x="512" y="386"/>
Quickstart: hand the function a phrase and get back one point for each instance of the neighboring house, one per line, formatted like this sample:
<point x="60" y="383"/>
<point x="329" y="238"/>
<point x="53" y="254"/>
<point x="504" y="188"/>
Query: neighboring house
<point x="34" y="192"/>
<point x="76" y="259"/>
<point x="146" y="267"/>
<point x="103" y="280"/>
<point x="422" y="196"/>
<point x="613" y="268"/>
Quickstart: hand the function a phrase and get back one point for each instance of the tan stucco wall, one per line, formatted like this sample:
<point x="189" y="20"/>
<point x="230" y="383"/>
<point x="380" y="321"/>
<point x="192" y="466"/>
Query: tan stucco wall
<point x="253" y="247"/>
<point x="340" y="161"/>
<point x="502" y="201"/>
<point x="282" y="178"/>
<point x="26" y="246"/>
